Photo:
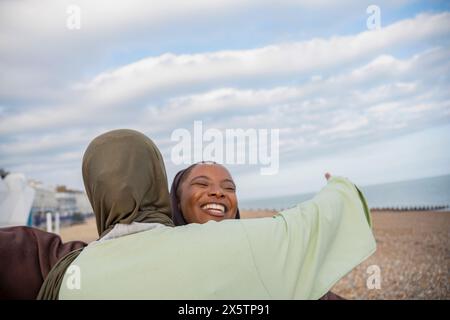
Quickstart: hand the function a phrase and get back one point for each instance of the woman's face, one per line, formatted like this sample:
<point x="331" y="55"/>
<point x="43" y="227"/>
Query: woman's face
<point x="208" y="193"/>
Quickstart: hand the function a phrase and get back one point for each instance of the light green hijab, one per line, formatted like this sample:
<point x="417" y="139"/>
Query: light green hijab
<point x="125" y="181"/>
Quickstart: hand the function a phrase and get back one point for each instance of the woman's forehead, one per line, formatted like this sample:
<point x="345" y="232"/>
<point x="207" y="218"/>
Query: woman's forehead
<point x="209" y="170"/>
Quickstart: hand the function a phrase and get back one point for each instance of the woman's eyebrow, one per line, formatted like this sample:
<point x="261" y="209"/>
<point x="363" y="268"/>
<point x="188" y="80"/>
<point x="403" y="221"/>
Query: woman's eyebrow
<point x="208" y="178"/>
<point x="229" y="180"/>
<point x="198" y="177"/>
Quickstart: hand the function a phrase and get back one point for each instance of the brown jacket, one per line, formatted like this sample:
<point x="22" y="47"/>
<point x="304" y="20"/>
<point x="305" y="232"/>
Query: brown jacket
<point x="26" y="257"/>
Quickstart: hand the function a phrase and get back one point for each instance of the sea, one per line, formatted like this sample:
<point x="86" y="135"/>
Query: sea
<point x="432" y="192"/>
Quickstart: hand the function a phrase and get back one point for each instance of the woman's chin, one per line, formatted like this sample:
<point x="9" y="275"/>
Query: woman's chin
<point x="211" y="217"/>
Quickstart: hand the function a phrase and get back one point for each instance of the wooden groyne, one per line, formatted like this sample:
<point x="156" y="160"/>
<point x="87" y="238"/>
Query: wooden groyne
<point x="411" y="208"/>
<point x="374" y="209"/>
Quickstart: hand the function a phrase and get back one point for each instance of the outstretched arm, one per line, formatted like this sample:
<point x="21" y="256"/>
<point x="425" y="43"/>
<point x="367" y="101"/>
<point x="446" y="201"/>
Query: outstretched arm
<point x="314" y="244"/>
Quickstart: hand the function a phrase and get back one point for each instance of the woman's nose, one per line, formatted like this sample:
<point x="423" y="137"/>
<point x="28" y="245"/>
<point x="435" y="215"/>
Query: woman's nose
<point x="217" y="192"/>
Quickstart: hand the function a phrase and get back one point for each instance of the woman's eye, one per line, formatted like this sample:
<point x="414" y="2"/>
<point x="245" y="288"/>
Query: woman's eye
<point x="202" y="184"/>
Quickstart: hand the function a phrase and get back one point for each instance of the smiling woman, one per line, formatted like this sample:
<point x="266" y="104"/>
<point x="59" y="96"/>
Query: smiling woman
<point x="206" y="191"/>
<point x="202" y="192"/>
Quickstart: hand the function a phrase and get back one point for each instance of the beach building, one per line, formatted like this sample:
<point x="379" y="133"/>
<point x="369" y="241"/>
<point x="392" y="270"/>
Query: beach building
<point x="32" y="203"/>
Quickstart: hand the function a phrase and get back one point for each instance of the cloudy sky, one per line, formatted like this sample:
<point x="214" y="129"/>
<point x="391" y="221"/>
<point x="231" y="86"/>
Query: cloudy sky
<point x="369" y="104"/>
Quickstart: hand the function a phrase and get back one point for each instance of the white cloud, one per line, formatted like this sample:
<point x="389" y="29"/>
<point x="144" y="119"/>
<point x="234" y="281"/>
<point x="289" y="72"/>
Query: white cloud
<point x="149" y="76"/>
<point x="39" y="52"/>
<point x="109" y="93"/>
<point x="60" y="56"/>
<point x="309" y="110"/>
<point x="324" y="93"/>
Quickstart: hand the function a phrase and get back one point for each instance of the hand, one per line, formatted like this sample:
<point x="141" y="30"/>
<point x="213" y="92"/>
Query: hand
<point x="327" y="176"/>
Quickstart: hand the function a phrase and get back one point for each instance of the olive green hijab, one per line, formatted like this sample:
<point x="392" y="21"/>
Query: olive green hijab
<point x="125" y="181"/>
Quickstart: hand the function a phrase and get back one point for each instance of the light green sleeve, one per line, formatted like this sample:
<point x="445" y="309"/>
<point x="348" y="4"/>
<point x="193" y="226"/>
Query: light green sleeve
<point x="313" y="245"/>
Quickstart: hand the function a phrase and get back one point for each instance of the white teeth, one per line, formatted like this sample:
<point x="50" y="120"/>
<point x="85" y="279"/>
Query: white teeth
<point x="214" y="206"/>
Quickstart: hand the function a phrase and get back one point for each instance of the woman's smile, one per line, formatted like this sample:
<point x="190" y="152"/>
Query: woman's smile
<point x="215" y="209"/>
